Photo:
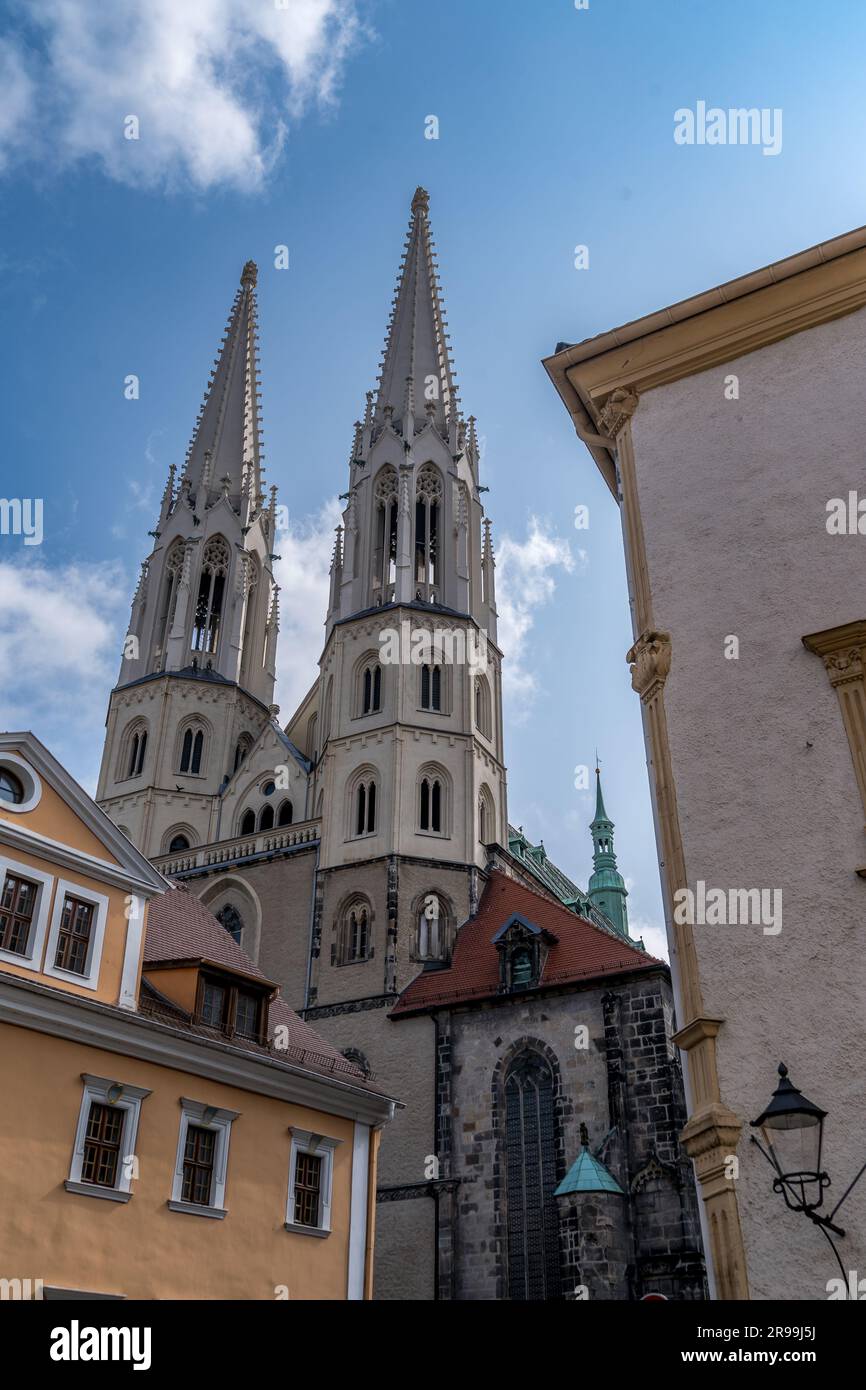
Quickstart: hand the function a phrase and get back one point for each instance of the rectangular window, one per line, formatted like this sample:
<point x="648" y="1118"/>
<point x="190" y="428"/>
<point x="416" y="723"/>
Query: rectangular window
<point x="247" y="1015"/>
<point x="198" y="1161"/>
<point x="74" y="937"/>
<point x="213" y="1004"/>
<point x="308" y="1188"/>
<point x="102" y="1145"/>
<point x="17" y="903"/>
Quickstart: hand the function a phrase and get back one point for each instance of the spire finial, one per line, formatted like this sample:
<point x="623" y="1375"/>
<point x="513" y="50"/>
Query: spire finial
<point x="421" y="200"/>
<point x="250" y="275"/>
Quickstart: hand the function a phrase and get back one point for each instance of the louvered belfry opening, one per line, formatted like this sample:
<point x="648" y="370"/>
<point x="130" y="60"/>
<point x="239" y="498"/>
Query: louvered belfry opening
<point x="530" y="1180"/>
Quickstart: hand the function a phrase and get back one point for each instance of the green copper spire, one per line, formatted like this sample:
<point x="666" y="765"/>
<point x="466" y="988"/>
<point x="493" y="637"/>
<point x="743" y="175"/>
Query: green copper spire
<point x="587" y="1174"/>
<point x="606" y="886"/>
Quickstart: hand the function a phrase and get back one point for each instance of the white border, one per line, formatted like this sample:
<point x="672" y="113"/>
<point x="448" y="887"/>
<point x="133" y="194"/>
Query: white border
<point x="193" y="1112"/>
<point x="32" y="957"/>
<point x="358" y="1212"/>
<point x="30" y="777"/>
<point x="96" y="1089"/>
<point x="89" y="979"/>
<point x="304" y="1141"/>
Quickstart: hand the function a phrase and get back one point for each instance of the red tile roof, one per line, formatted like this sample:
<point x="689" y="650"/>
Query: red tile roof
<point x="581" y="951"/>
<point x="179" y="928"/>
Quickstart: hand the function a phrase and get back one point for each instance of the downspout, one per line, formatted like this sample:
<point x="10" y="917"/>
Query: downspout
<point x="312" y="927"/>
<point x="436" y="1190"/>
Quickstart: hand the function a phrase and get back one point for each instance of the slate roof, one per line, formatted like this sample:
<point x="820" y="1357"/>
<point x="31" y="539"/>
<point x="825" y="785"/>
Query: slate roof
<point x="581" y="951"/>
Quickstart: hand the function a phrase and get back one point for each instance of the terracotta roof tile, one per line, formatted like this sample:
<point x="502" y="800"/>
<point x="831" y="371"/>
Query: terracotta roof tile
<point x="581" y="951"/>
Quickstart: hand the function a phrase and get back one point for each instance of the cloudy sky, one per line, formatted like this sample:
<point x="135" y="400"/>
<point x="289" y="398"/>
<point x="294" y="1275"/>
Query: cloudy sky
<point x="303" y="123"/>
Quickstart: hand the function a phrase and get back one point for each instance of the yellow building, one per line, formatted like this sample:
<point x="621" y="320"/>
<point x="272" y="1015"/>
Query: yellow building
<point x="170" y="1128"/>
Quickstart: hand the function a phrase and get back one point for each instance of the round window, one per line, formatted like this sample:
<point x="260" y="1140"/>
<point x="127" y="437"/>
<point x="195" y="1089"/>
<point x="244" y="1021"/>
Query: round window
<point x="11" y="788"/>
<point x="269" y="788"/>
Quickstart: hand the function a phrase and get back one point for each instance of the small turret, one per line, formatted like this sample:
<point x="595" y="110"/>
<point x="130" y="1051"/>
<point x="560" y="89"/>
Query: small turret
<point x="606" y="886"/>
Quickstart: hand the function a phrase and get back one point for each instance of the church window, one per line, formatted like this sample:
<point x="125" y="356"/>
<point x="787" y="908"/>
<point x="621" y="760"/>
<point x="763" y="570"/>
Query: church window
<point x="242" y="748"/>
<point x="371" y="688"/>
<point x="355" y="932"/>
<point x="430" y="809"/>
<point x="266" y="819"/>
<point x="171" y="581"/>
<point x="248" y="823"/>
<point x="269" y="788"/>
<point x="428" y="499"/>
<point x="285" y="816"/>
<point x="191" y="750"/>
<point x="136" y="747"/>
<point x="211" y="589"/>
<point x="232" y="921"/>
<point x="250" y="618"/>
<point x="433" y="927"/>
<point x="178" y="844"/>
<point x="530" y="1180"/>
<point x="365" y="807"/>
<point x="385" y="536"/>
<point x="486" y="817"/>
<point x="431" y="687"/>
<point x="482" y="706"/>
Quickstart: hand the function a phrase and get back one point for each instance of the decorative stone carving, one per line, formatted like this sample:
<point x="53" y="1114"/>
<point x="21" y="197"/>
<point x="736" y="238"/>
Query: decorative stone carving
<point x="650" y="662"/>
<point x="617" y="411"/>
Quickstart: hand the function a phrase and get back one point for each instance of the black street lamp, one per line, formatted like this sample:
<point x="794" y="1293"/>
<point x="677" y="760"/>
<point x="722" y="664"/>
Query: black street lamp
<point x="793" y="1131"/>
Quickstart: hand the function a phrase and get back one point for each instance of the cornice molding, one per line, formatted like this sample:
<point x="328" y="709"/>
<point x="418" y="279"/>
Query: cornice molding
<point x="56" y="853"/>
<point x="27" y="1005"/>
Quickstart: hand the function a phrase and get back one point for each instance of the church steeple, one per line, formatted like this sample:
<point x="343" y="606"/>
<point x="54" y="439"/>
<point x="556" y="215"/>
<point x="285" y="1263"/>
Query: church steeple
<point x="606" y="886"/>
<point x="417" y="372"/>
<point x="226" y="441"/>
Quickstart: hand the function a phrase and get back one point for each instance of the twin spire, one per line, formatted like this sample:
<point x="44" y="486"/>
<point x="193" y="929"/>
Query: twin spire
<point x="225" y="451"/>
<point x="417" y="374"/>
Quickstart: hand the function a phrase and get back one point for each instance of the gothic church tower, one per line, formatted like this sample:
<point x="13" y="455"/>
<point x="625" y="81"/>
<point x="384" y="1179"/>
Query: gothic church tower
<point x="410" y="773"/>
<point x="197" y="675"/>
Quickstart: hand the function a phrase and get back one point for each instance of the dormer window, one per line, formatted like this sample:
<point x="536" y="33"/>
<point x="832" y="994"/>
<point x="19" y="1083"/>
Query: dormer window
<point x="229" y="1007"/>
<point x="523" y="950"/>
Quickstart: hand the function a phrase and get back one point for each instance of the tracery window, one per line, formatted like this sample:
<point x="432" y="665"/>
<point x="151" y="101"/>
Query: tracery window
<point x="428" y="503"/>
<point x="530" y="1180"/>
<point x="192" y="750"/>
<point x="211" y="590"/>
<point x="170" y="582"/>
<point x="385" y="535"/>
<point x="355" y="932"/>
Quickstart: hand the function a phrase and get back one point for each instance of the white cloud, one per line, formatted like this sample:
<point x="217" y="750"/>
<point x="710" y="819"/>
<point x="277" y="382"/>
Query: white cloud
<point x="525" y="580"/>
<point x="60" y="642"/>
<point x="213" y="84"/>
<point x="654" y="935"/>
<point x="303" y="576"/>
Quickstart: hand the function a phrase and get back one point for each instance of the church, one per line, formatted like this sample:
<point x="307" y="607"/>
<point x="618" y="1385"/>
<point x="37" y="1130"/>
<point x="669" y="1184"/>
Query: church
<point x="362" y="852"/>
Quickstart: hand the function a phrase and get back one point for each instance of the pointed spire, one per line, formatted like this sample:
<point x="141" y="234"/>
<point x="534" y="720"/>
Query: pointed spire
<point x="227" y="437"/>
<point x="416" y="347"/>
<point x="606" y="886"/>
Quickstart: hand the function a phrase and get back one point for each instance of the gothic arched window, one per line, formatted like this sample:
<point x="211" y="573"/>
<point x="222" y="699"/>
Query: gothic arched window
<point x="486" y="817"/>
<point x="286" y="813"/>
<point x="430" y="805"/>
<point x="178" y="844"/>
<point x="248" y="823"/>
<point x="211" y="589"/>
<point x="165" y="618"/>
<point x="355" y="932"/>
<point x="385" y="536"/>
<point x="431" y="687"/>
<point x="192" y="750"/>
<point x="530" y="1180"/>
<point x="428" y="500"/>
<point x="136" y="747"/>
<point x="364" y="810"/>
<point x="482" y="706"/>
<point x="232" y="921"/>
<point x="433" y="919"/>
<point x="371" y="688"/>
<point x="242" y="747"/>
<point x="266" y="819"/>
<point x="248" y="641"/>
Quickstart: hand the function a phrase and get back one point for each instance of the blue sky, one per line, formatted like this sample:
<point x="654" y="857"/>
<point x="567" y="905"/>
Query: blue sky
<point x="305" y="126"/>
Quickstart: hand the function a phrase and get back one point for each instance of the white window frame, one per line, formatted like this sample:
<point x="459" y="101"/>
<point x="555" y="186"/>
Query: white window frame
<point x="96" y="1090"/>
<point x="89" y="979"/>
<point x="30" y="780"/>
<point x="32" y="958"/>
<point x="195" y="1112"/>
<point x="305" y="1141"/>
